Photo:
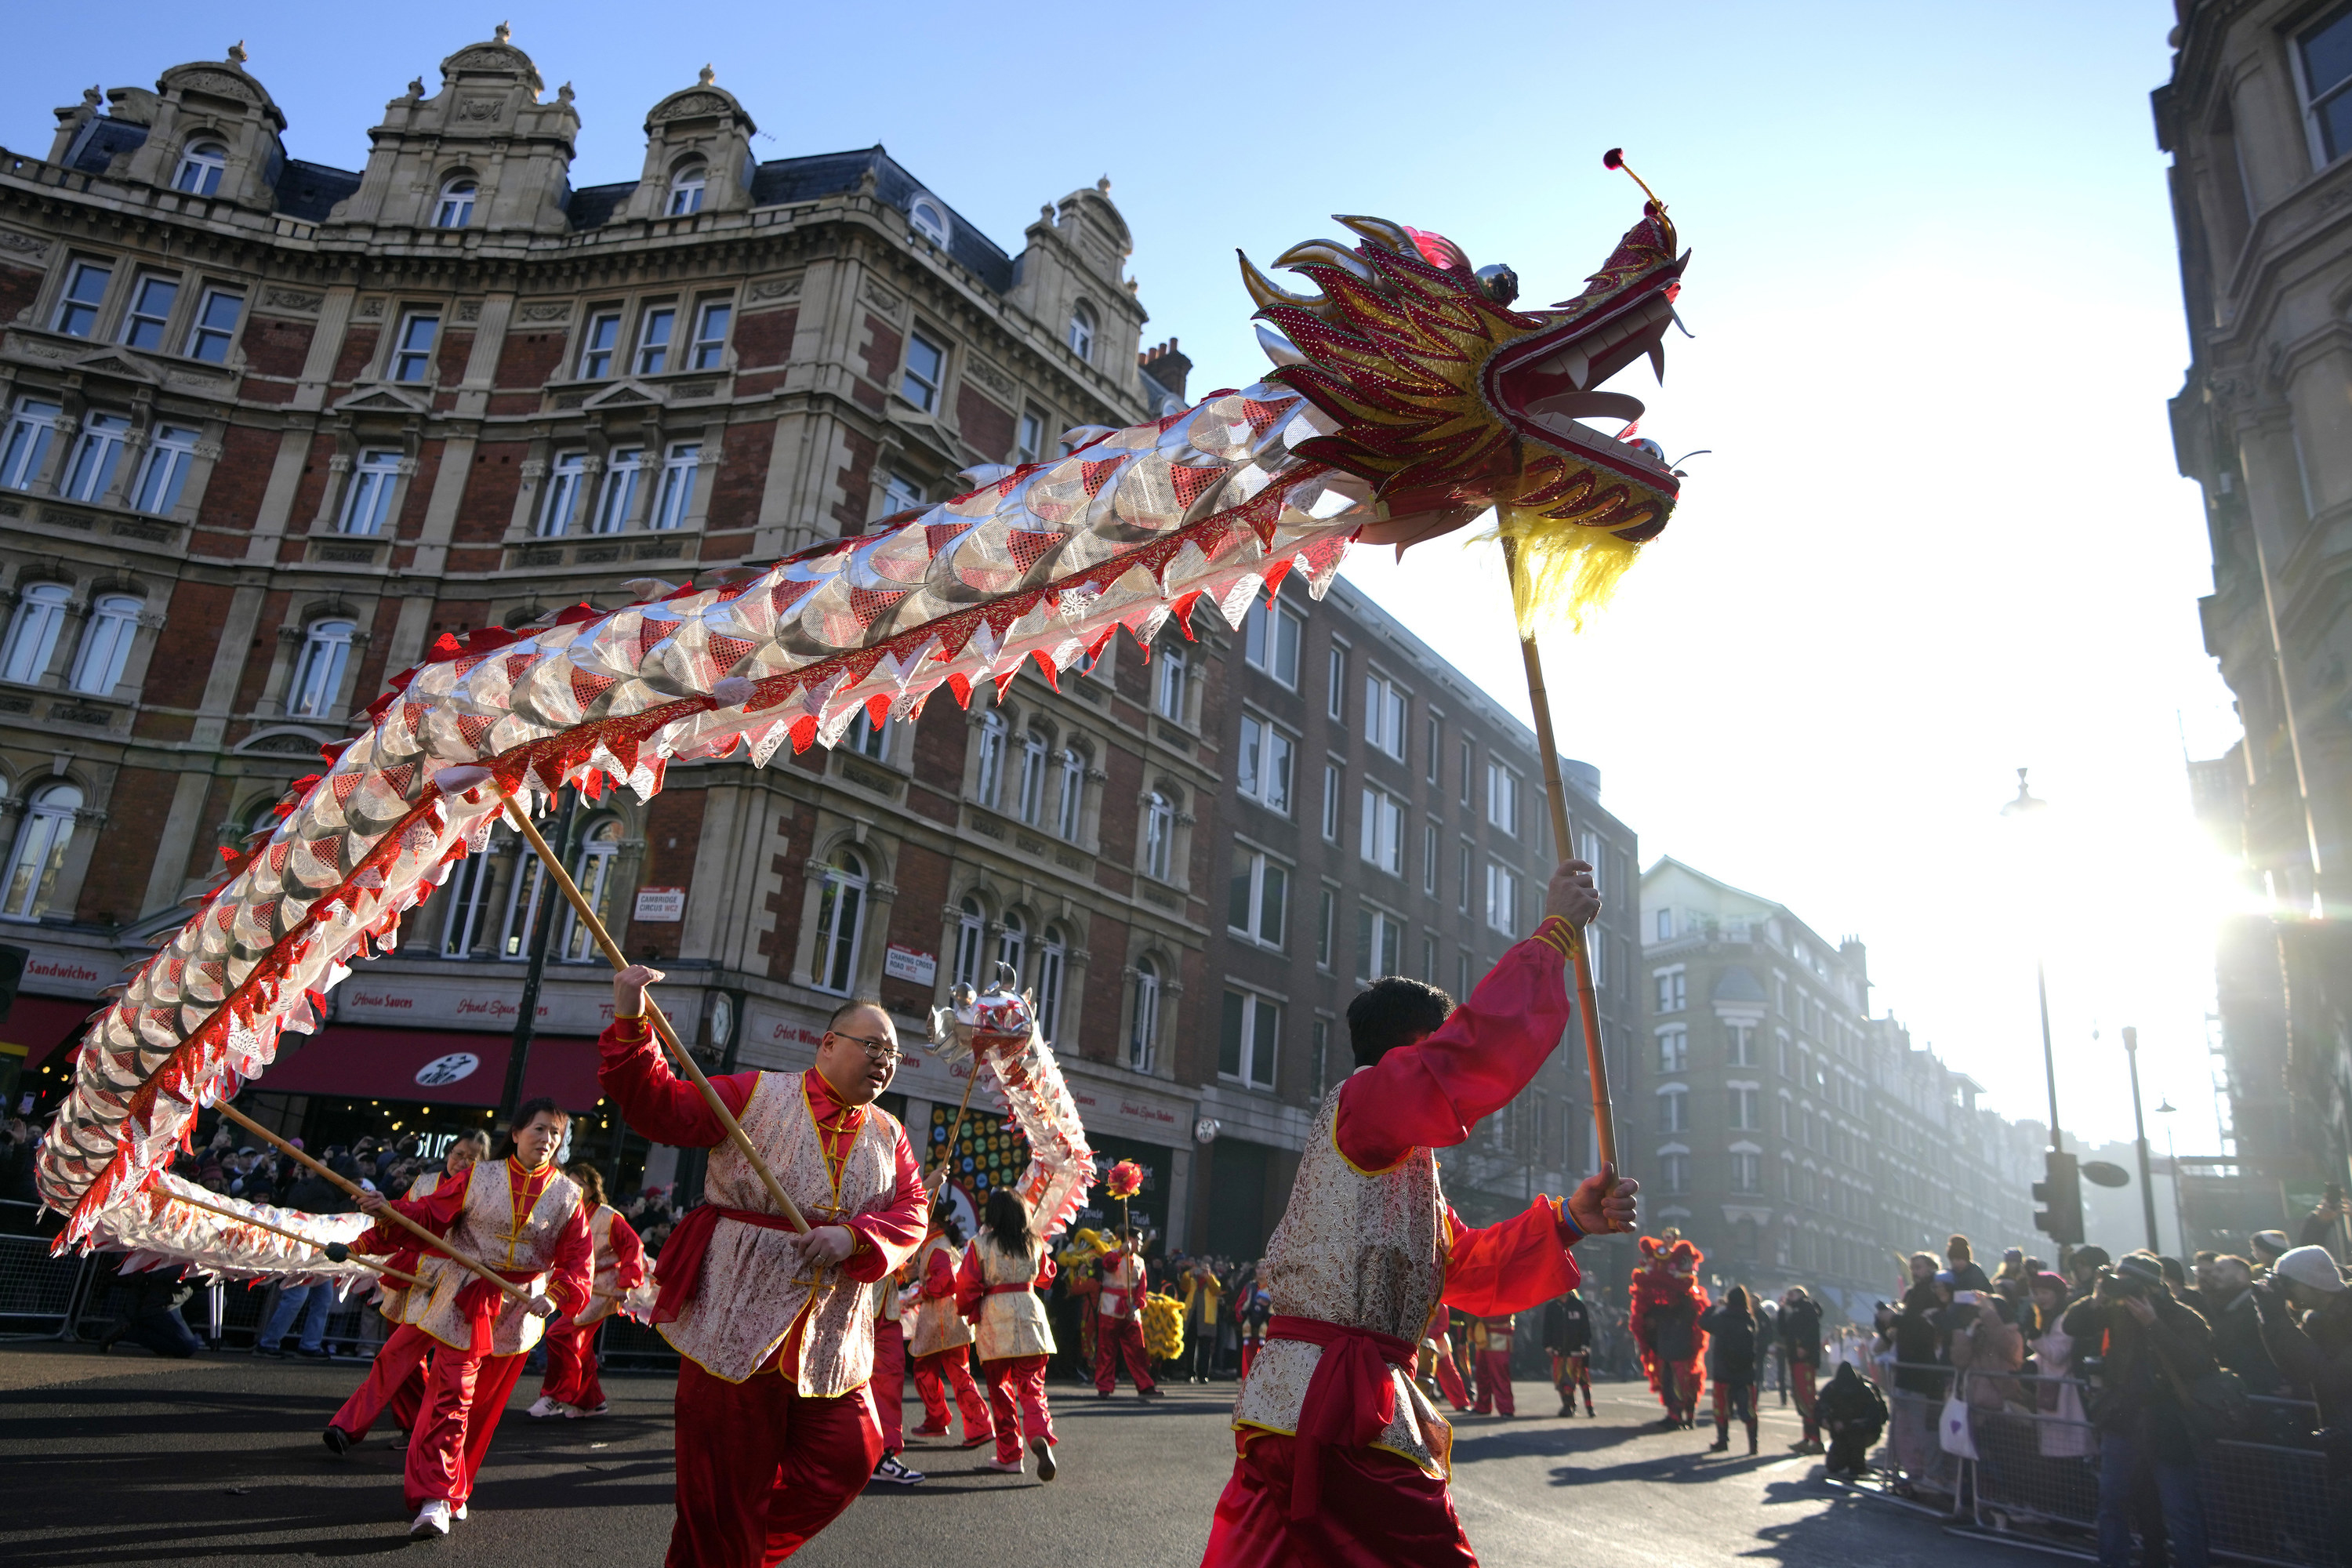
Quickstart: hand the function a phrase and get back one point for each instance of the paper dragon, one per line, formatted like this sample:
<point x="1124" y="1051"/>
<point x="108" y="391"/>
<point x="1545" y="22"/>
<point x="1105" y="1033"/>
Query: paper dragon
<point x="1409" y="396"/>
<point x="997" y="1029"/>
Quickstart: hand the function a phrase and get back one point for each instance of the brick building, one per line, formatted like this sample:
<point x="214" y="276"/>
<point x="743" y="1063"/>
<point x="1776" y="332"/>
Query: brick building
<point x="272" y="425"/>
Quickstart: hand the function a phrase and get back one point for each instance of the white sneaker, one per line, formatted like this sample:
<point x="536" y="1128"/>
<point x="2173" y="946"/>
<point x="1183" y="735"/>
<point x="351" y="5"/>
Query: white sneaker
<point x="458" y="1512"/>
<point x="574" y="1411"/>
<point x="544" y="1407"/>
<point x="432" y="1522"/>
<point x="1010" y="1467"/>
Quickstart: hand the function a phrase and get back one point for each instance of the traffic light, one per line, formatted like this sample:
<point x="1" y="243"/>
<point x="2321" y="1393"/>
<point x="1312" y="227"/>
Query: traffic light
<point x="2060" y="1193"/>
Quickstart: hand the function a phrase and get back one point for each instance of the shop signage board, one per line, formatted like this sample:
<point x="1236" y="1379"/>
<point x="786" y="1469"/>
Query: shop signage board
<point x="428" y="1000"/>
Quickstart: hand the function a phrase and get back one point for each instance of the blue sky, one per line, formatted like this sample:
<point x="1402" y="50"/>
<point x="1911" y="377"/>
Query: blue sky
<point x="1938" y="533"/>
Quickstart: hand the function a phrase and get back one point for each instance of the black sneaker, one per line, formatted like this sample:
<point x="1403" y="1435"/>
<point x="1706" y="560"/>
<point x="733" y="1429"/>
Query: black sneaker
<point x="338" y="1441"/>
<point x="1044" y="1452"/>
<point x="319" y="1354"/>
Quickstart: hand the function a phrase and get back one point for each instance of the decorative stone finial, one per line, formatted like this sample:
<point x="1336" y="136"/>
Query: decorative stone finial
<point x="502" y="32"/>
<point x="706" y="75"/>
<point x="236" y="55"/>
<point x="563" y="93"/>
<point x="1103" y="184"/>
<point x="416" y="88"/>
<point x="866" y="183"/>
<point x="91" y="98"/>
<point x="1045" y="212"/>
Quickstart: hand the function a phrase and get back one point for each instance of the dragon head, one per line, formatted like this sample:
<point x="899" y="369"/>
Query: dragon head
<point x="1428" y="383"/>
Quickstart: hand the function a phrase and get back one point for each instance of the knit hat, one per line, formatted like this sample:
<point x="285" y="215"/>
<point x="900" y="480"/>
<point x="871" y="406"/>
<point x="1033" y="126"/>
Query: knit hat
<point x="2269" y="1244"/>
<point x="2311" y="1267"/>
<point x="2046" y="1280"/>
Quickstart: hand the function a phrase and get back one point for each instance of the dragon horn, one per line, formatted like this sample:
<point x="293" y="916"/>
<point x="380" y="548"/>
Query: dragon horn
<point x="1327" y="252"/>
<point x="1267" y="292"/>
<point x="1380" y="231"/>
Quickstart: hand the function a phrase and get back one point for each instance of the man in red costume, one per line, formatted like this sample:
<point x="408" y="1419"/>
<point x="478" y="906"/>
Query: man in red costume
<point x="1119" y="1322"/>
<point x="774" y="1328"/>
<point x="1341" y="1459"/>
<point x="1495" y="1365"/>
<point x="522" y="1217"/>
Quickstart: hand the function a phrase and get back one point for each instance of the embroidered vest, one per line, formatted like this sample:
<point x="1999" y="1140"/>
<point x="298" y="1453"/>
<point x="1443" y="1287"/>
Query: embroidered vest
<point x="1121" y="1274"/>
<point x="937" y="1325"/>
<point x="606" y="1278"/>
<point x="487" y="1228"/>
<point x="753" y="1288"/>
<point x="1365" y="1250"/>
<point x="1012" y="1324"/>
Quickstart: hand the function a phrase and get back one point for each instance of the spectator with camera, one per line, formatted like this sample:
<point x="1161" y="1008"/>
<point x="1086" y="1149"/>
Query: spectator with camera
<point x="2156" y="1350"/>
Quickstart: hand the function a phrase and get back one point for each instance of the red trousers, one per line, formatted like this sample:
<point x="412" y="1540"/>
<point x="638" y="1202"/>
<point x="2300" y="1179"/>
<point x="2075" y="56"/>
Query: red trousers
<point x="953" y="1367"/>
<point x="395" y="1382"/>
<point x="889" y="1383"/>
<point x="1449" y="1381"/>
<point x="1494" y="1383"/>
<point x="1377" y="1511"/>
<point x="465" y="1395"/>
<point x="1016" y="1394"/>
<point x="1803" y="1373"/>
<point x="1115" y="1337"/>
<point x="760" y="1469"/>
<point x="571" y="1365"/>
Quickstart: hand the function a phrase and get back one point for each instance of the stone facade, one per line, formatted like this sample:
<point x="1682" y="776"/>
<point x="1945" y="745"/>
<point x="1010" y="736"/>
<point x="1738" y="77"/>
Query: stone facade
<point x="2258" y="118"/>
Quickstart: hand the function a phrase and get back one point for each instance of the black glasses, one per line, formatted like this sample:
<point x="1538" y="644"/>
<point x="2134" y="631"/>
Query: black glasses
<point x="877" y="1050"/>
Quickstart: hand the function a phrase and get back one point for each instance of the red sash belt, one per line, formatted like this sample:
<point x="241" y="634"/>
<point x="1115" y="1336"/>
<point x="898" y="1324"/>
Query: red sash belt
<point x="678" y="1272"/>
<point x="479" y="1302"/>
<point x="1350" y="1400"/>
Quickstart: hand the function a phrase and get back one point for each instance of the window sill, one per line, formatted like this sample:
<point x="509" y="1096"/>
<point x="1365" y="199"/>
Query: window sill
<point x="601" y="549"/>
<point x="82" y="518"/>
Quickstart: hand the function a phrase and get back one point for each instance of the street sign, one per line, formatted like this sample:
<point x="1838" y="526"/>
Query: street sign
<point x="660" y="904"/>
<point x="2106" y="1174"/>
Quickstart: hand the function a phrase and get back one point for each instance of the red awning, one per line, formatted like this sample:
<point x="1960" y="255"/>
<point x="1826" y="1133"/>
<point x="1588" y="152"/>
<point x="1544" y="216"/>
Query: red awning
<point x="43" y="1024"/>
<point x="444" y="1067"/>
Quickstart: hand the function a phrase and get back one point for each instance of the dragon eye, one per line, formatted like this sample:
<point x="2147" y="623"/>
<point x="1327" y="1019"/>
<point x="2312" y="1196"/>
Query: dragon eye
<point x="1498" y="283"/>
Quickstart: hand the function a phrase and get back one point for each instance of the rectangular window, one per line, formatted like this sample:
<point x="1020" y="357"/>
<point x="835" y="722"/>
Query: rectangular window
<point x="652" y="340"/>
<point x="2326" y="55"/>
<point x="1327" y="915"/>
<point x="1746" y="1111"/>
<point x="1247" y="1044"/>
<point x="619" y="496"/>
<point x="1469" y="760"/>
<point x="171" y="454"/>
<point x="1331" y="801"/>
<point x="1429" y="859"/>
<point x="411" y="354"/>
<point x="1382" y="837"/>
<point x="1672" y="990"/>
<point x="1429" y="957"/>
<point x="1672" y="1115"/>
<point x="1503" y="798"/>
<point x="1265" y="764"/>
<point x="1379" y="943"/>
<point x="1168" y="691"/>
<point x="1270" y="637"/>
<point x="1335" y="697"/>
<point x="901" y="494"/>
<point x="1502" y="897"/>
<point x="1674" y="1050"/>
<point x="567" y="479"/>
<point x="598" y="344"/>
<point x="1746" y="1173"/>
<point x="77" y="314"/>
<point x="97" y="452"/>
<point x="1384" y="715"/>
<point x="1258" y="896"/>
<point x="709" y="350"/>
<point x="677" y="495"/>
<point x="106" y="645"/>
<point x="1469" y="858"/>
<point x="150" y="315"/>
<point x="25" y="450"/>
<point x="1461" y="975"/>
<point x="215" y="325"/>
<point x="927" y="367"/>
<point x="367" y="505"/>
<point x="1740" y="1049"/>
<point x="1031" y="443"/>
<point x="1432" y="754"/>
<point x="1665" y="925"/>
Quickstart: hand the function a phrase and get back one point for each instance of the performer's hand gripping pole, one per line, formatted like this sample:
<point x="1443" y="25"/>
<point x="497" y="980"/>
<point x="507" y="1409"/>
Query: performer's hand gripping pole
<point x="655" y="1017"/>
<point x="329" y="1248"/>
<point x="1604" y="1124"/>
<point x="481" y="1269"/>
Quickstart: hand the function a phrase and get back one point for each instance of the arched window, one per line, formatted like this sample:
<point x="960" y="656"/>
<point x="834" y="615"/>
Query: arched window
<point x="456" y="209"/>
<point x="367" y="507"/>
<point x="1070" y="798"/>
<point x="1082" y="331"/>
<point x="1012" y="945"/>
<point x="593" y="870"/>
<point x="33" y="631"/>
<point x="201" y="165"/>
<point x="972" y="926"/>
<point x="685" y="187"/>
<point x="1034" y="752"/>
<point x="840" y="921"/>
<point x="319" y="669"/>
<point x="991" y="757"/>
<point x="106" y="644"/>
<point x="41" y="845"/>
<point x="930" y="219"/>
<point x="1050" y="957"/>
<point x="469" y="897"/>
<point x="1158" y="834"/>
<point x="1143" y="1025"/>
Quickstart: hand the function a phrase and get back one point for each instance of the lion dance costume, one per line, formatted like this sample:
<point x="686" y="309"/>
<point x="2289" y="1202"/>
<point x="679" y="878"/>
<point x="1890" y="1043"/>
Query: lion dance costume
<point x="1667" y="1300"/>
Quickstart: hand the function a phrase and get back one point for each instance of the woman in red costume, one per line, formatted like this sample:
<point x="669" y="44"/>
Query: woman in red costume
<point x="1341" y="1461"/>
<point x="942" y="1346"/>
<point x="1005" y="1267"/>
<point x="570" y="1387"/>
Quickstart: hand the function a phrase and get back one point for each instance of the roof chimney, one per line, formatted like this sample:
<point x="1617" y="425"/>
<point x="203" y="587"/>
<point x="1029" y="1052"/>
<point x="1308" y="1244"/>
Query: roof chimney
<point x="1167" y="365"/>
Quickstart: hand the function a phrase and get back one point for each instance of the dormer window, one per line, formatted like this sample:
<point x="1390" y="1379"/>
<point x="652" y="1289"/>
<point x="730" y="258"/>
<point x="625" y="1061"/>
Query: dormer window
<point x="928" y="218"/>
<point x="1082" y="331"/>
<point x="201" y="167"/>
<point x="685" y="187"/>
<point x="456" y="209"/>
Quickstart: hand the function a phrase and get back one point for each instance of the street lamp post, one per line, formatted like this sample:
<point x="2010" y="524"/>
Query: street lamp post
<point x="2166" y="1109"/>
<point x="2026" y="808"/>
<point x="2140" y="1126"/>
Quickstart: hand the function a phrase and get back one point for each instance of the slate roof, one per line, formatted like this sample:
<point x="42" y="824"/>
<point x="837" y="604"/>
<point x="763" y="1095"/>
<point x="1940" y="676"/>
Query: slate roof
<point x="310" y="191"/>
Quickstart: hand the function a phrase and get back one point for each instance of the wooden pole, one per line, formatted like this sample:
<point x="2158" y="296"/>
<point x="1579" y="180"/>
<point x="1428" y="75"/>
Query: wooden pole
<point x="481" y="1269"/>
<point x="947" y="1161"/>
<point x="660" y="1020"/>
<point x="1604" y="1124"/>
<point x="361" y="1258"/>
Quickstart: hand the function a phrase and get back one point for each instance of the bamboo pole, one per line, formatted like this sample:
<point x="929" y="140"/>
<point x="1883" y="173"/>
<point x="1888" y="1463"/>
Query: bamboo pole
<point x="657" y="1018"/>
<point x="1604" y="1124"/>
<point x="364" y="1261"/>
<point x="481" y="1269"/>
<point x="947" y="1161"/>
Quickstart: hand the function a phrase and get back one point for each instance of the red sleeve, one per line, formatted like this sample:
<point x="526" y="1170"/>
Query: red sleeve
<point x="890" y="1235"/>
<point x="1046" y="1269"/>
<point x="940" y="1275"/>
<point x="658" y="1103"/>
<point x="1431" y="1094"/>
<point x="570" y="1277"/>
<point x="628" y="1255"/>
<point x="969" y="1283"/>
<point x="437" y="1211"/>
<point x="1514" y="1266"/>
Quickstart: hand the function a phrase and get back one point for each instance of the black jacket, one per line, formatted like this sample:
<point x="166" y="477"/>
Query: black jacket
<point x="1849" y="1400"/>
<point x="1567" y="1325"/>
<point x="2315" y="1354"/>
<point x="1673" y="1329"/>
<point x="2237" y="1345"/>
<point x="1731" y="1338"/>
<point x="1801" y="1331"/>
<point x="2145" y="1370"/>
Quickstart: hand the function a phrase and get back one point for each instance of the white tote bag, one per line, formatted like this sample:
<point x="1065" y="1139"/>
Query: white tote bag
<point x="1953" y="1432"/>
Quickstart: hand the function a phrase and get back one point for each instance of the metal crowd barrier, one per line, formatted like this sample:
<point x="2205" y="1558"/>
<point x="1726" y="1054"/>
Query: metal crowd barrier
<point x="38" y="1294"/>
<point x="2035" y="1477"/>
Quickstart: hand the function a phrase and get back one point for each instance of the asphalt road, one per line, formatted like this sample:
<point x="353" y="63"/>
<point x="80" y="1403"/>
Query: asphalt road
<point x="125" y="1459"/>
